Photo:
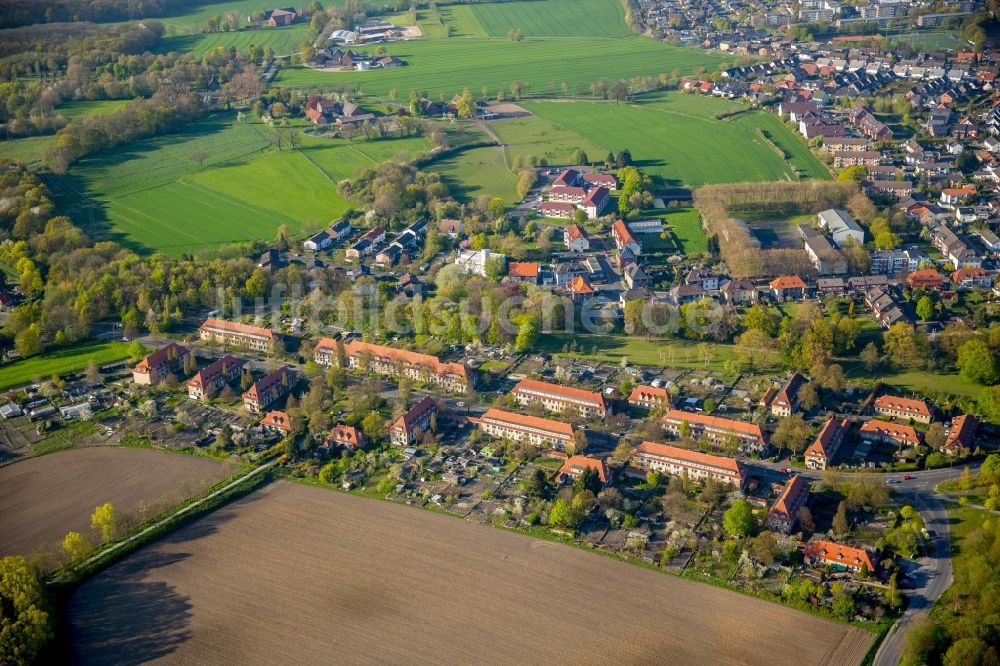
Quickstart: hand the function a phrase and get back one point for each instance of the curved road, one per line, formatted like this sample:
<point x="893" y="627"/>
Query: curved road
<point x="933" y="576"/>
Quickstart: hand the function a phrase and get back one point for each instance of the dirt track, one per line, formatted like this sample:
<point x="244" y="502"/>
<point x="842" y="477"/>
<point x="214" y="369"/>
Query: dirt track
<point x="44" y="498"/>
<point x="293" y="574"/>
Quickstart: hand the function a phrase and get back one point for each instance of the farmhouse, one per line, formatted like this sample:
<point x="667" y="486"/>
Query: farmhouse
<point x="649" y="397"/>
<point x="890" y="433"/>
<point x="820" y="453"/>
<point x="556" y="398"/>
<point x="961" y="434"/>
<point x="346" y="436"/>
<point x="575" y="466"/>
<point x="521" y="428"/>
<point x="786" y="399"/>
<point x="269" y="389"/>
<point x="280" y="17"/>
<point x="624" y="238"/>
<point x="784" y="513"/>
<point x="823" y="553"/>
<point x="155" y="367"/>
<point x="382" y="360"/>
<point x="716" y="429"/>
<point x="576" y="239"/>
<point x="675" y="461"/>
<point x="903" y="408"/>
<point x="406" y="429"/>
<point x="233" y="334"/>
<point x="208" y="381"/>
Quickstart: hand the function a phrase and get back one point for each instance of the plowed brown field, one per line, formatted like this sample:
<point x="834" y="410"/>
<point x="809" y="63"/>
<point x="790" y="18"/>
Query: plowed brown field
<point x="44" y="498"/>
<point x="293" y="574"/>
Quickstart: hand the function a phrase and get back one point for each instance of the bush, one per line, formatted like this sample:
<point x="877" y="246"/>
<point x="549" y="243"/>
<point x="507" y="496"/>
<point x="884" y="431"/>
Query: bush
<point x="936" y="460"/>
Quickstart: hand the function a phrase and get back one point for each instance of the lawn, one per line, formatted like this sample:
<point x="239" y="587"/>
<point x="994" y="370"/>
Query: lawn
<point x="674" y="138"/>
<point x="685" y="227"/>
<point x="638" y="351"/>
<point x="152" y="196"/>
<point x="553" y="18"/>
<point x="914" y="381"/>
<point x="477" y="172"/>
<point x="70" y="359"/>
<point x="29" y="149"/>
<point x="446" y="66"/>
<point x="534" y="135"/>
<point x="283" y="41"/>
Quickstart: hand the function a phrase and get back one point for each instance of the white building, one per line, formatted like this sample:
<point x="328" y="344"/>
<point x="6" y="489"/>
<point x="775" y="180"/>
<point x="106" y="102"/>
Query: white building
<point x="841" y="226"/>
<point x="474" y="261"/>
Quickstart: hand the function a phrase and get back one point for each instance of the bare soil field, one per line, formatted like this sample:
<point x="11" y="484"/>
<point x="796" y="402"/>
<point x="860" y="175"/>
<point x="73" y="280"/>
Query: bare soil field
<point x="295" y="574"/>
<point x="44" y="498"/>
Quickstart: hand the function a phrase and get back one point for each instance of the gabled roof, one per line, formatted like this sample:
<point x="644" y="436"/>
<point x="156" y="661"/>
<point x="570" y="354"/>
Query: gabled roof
<point x="513" y="419"/>
<point x="787" y="282"/>
<point x="907" y="405"/>
<point x="581" y="286"/>
<point x="823" y="444"/>
<point x="344" y="434"/>
<point x="903" y="433"/>
<point x="835" y="553"/>
<point x="276" y="420"/>
<point x="523" y="269"/>
<point x="791" y="496"/>
<point x="575" y="466"/>
<point x="575" y="231"/>
<point x="236" y="327"/>
<point x="644" y="393"/>
<point x="962" y="432"/>
<point x="694" y="418"/>
<point x="723" y="463"/>
<point x="414" y="414"/>
<point x="268" y="381"/>
<point x="559" y="390"/>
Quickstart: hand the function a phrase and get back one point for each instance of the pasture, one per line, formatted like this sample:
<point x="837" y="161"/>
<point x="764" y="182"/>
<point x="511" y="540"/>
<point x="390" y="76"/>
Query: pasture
<point x="534" y="135"/>
<point x="672" y="353"/>
<point x="477" y="172"/>
<point x="446" y="66"/>
<point x="60" y="362"/>
<point x="283" y="41"/>
<point x="316" y="575"/>
<point x="674" y="138"/>
<point x="27" y="149"/>
<point x="48" y="496"/>
<point x="553" y="18"/>
<point x="153" y="196"/>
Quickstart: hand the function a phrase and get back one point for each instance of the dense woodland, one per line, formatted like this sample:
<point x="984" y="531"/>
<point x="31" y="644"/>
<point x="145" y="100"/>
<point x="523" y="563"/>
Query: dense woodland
<point x="14" y="13"/>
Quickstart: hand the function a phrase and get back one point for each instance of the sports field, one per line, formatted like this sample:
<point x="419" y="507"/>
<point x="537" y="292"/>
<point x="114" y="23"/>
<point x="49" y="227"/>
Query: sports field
<point x="283" y="41"/>
<point x="46" y="497"/>
<point x="315" y="576"/>
<point x="553" y="18"/>
<point x="674" y="137"/>
<point x="446" y="66"/>
<point x="152" y="196"/>
<point x="59" y="362"/>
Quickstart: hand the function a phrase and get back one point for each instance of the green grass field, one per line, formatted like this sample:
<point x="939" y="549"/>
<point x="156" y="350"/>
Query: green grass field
<point x="30" y="149"/>
<point x="446" y="66"/>
<point x="476" y="172"/>
<point x="283" y="41"/>
<point x="553" y="18"/>
<point x="685" y="225"/>
<point x="88" y="108"/>
<point x="152" y="196"/>
<point x="534" y="135"/>
<point x="674" y="138"/>
<point x="70" y="359"/>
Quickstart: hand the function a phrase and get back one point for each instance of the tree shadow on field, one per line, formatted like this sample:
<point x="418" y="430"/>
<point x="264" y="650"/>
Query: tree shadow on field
<point x="115" y="618"/>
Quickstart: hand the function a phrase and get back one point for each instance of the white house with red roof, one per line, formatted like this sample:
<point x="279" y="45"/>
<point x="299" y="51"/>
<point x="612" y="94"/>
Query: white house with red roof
<point x="575" y="466"/>
<point x="576" y="238"/>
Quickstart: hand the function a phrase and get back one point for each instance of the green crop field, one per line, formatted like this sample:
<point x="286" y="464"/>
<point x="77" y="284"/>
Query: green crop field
<point x="70" y="359"/>
<point x="446" y="66"/>
<point x="534" y="135"/>
<point x="553" y="18"/>
<point x="152" y="196"/>
<point x="477" y="172"/>
<point x="674" y="138"/>
<point x="283" y="41"/>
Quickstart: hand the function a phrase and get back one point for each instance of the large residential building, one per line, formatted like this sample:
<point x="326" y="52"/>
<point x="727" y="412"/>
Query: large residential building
<point x="649" y="397"/>
<point x="715" y="429"/>
<point x="155" y="367"/>
<point x="961" y="434"/>
<point x="821" y="452"/>
<point x="207" y="382"/>
<point x="269" y="389"/>
<point x="556" y="398"/>
<point x="835" y="555"/>
<point x="903" y="408"/>
<point x="889" y="433"/>
<point x="786" y="399"/>
<point x="676" y="461"/>
<point x="784" y="513"/>
<point x="522" y="428"/>
<point x="575" y="466"/>
<point x="379" y="359"/>
<point x="233" y="334"/>
<point x="415" y="422"/>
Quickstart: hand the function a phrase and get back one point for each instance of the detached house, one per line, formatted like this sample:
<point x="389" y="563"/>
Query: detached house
<point x="649" y="397"/>
<point x="406" y="429"/>
<point x="576" y="239"/>
<point x="821" y="452"/>
<point x="784" y="513"/>
<point x="788" y="287"/>
<point x="786" y="399"/>
<point x="575" y="466"/>
<point x="624" y="238"/>
<point x="268" y="390"/>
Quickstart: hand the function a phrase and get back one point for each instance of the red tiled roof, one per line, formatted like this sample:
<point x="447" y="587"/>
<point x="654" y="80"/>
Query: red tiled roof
<point x="667" y="451"/>
<point x="677" y="416"/>
<point x="596" y="196"/>
<point x="644" y="393"/>
<point x="969" y="272"/>
<point x="413" y="414"/>
<point x="838" y="554"/>
<point x="959" y="191"/>
<point x="906" y="405"/>
<point x="160" y="357"/>
<point x="903" y="433"/>
<point x="560" y="391"/>
<point x="962" y="432"/>
<point x="575" y="465"/>
<point x="267" y="381"/>
<point x="236" y="327"/>
<point x="347" y="435"/>
<point x="206" y="374"/>
<point x="277" y="420"/>
<point x="623" y="235"/>
<point x="789" y="501"/>
<point x="523" y="269"/>
<point x="356" y="348"/>
<point x="787" y="282"/>
<point x="824" y="440"/>
<point x="580" y="285"/>
<point x="575" y="231"/>
<point x="924" y="276"/>
<point x="514" y="419"/>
